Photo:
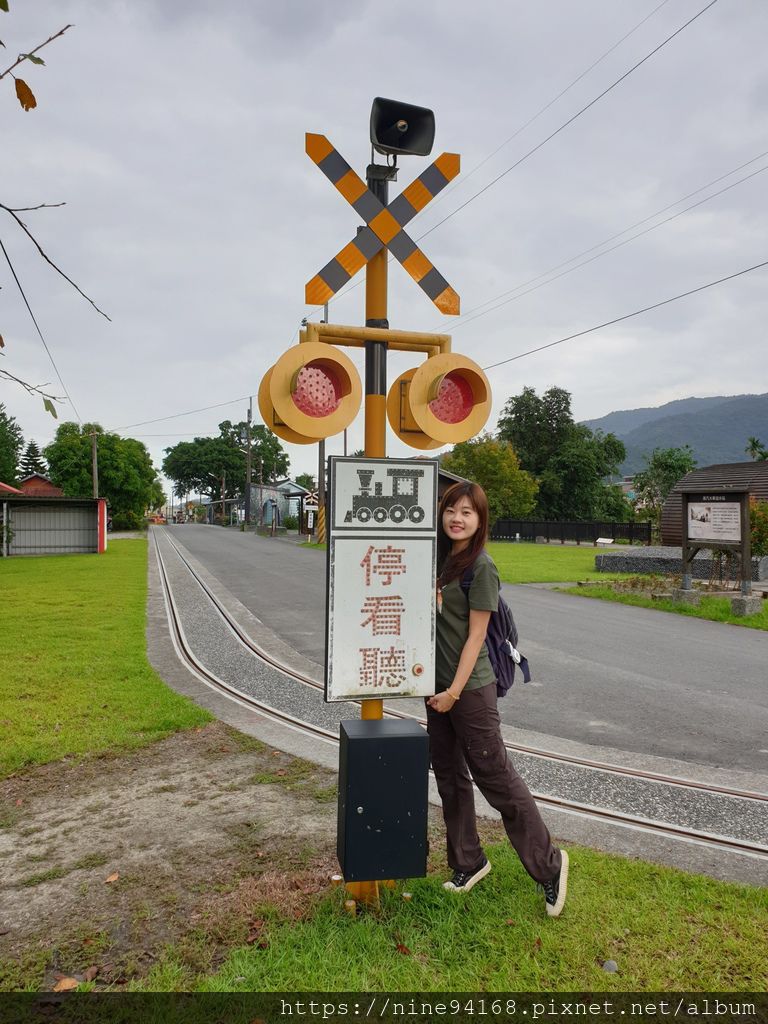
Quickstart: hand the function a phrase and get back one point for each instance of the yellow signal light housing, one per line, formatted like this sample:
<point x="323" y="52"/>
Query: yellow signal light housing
<point x="400" y="417"/>
<point x="314" y="391"/>
<point x="449" y="398"/>
<point x="272" y="420"/>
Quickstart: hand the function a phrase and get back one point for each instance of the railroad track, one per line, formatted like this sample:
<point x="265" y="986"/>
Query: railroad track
<point x="734" y="808"/>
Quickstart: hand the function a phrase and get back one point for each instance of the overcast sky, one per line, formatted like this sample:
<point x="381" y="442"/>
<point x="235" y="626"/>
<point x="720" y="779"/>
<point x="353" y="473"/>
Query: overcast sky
<point x="174" y="132"/>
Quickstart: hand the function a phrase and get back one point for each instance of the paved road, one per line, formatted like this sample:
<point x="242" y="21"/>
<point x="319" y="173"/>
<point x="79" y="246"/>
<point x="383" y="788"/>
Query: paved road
<point x="604" y="674"/>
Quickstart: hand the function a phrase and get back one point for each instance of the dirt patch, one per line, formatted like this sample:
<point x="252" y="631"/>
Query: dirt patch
<point x="113" y="868"/>
<point x="104" y="861"/>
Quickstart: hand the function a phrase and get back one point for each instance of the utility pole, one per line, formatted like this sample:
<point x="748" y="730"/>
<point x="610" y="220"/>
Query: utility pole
<point x="95" y="464"/>
<point x="248" y="464"/>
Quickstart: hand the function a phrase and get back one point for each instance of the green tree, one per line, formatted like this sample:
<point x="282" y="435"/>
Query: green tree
<point x="494" y="465"/>
<point x="127" y="478"/>
<point x="613" y="505"/>
<point x="11" y="443"/>
<point x="756" y="449"/>
<point x="758" y="519"/>
<point x="572" y="482"/>
<point x="536" y="427"/>
<point x="306" y="480"/>
<point x="569" y="460"/>
<point x="32" y="461"/>
<point x="157" y="498"/>
<point x="664" y="467"/>
<point x="267" y="454"/>
<point x="200" y="465"/>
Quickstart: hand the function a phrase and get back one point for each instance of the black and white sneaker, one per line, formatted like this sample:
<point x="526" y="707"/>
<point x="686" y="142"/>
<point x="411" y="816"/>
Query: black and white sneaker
<point x="463" y="881"/>
<point x="556" y="889"/>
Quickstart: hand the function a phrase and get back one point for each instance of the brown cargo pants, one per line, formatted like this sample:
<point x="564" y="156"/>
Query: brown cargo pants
<point x="465" y="744"/>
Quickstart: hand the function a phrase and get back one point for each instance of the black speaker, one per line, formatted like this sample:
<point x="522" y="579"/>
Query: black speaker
<point x="401" y="128"/>
<point x="383" y="779"/>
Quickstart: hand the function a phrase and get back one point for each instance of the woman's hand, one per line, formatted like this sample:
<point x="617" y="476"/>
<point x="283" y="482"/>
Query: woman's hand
<point x="441" y="702"/>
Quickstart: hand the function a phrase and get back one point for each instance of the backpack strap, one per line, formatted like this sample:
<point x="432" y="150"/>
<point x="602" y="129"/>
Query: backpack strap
<point x="466" y="579"/>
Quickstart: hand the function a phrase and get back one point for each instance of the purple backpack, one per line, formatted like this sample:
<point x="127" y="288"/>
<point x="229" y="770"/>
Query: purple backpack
<point x="501" y="641"/>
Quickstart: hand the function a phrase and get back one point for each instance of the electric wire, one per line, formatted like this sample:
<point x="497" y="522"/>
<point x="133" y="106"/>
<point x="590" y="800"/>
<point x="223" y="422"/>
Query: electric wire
<point x="548" y="138"/>
<point x="189" y="412"/>
<point x="498" y="178"/>
<point x="521" y="355"/>
<point x="627" y="316"/>
<point x="468" y="317"/>
<point x="570" y="121"/>
<point x="40" y="333"/>
<point x="458" y="184"/>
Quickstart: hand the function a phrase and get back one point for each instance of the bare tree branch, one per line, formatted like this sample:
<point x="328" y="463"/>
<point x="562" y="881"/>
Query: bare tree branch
<point x="50" y="262"/>
<point x="33" y="389"/>
<point x="40" y="206"/>
<point x="23" y="56"/>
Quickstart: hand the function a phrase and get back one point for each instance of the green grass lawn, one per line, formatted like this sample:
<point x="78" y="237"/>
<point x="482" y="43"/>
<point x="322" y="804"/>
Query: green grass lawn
<point x="75" y="678"/>
<point x="547" y="563"/>
<point x="665" y="930"/>
<point x="75" y="681"/>
<point x="716" y="609"/>
<point x="540" y="563"/>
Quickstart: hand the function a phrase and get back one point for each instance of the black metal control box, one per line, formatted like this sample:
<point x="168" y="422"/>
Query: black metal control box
<point x="383" y="783"/>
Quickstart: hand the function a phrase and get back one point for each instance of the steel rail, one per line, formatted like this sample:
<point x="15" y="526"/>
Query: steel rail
<point x="603" y="766"/>
<point x="187" y="656"/>
<point x="301" y="726"/>
<point x="668" y="829"/>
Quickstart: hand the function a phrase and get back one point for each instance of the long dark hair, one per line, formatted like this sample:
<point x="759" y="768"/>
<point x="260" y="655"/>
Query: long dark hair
<point x="449" y="567"/>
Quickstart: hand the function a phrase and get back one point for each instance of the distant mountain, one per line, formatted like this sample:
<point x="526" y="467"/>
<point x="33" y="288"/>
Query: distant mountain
<point x="716" y="428"/>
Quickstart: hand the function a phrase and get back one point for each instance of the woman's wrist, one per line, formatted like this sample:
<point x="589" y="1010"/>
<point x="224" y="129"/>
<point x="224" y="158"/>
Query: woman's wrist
<point x="452" y="695"/>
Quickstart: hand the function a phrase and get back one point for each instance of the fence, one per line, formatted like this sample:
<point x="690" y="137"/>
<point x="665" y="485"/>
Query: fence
<point x="588" y="532"/>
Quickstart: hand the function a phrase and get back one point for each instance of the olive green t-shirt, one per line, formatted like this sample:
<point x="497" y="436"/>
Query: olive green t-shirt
<point x="453" y="624"/>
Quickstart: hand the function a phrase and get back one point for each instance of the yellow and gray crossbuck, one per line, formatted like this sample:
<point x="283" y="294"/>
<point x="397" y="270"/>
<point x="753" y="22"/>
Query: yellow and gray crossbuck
<point x="385" y="226"/>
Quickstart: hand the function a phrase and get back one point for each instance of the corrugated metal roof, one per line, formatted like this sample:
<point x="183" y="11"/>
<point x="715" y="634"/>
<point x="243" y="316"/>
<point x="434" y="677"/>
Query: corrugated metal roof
<point x="35" y="499"/>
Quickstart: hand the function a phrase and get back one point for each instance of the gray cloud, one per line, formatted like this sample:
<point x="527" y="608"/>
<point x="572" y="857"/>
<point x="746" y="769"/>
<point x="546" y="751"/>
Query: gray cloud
<point x="175" y="133"/>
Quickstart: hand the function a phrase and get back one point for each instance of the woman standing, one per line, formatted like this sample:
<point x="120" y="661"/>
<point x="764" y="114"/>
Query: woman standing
<point x="462" y="717"/>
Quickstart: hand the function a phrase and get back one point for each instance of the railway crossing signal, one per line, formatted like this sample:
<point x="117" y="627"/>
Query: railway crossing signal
<point x="444" y="401"/>
<point x="313" y="391"/>
<point x="385" y="226"/>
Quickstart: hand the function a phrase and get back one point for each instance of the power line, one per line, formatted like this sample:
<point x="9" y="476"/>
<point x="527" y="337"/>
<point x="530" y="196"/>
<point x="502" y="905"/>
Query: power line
<point x="551" y="136"/>
<point x="468" y="318"/>
<point x="458" y="184"/>
<point x="627" y="316"/>
<point x="40" y="333"/>
<point x="570" y="121"/>
<point x="190" y="412"/>
<point x="502" y="362"/>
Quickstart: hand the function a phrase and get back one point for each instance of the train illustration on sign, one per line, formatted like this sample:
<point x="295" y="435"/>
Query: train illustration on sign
<point x="402" y="503"/>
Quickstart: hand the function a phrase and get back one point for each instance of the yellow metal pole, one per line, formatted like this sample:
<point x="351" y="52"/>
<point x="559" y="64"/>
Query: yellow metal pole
<point x="375" y="448"/>
<point x="376" y="289"/>
<point x="375" y="390"/>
